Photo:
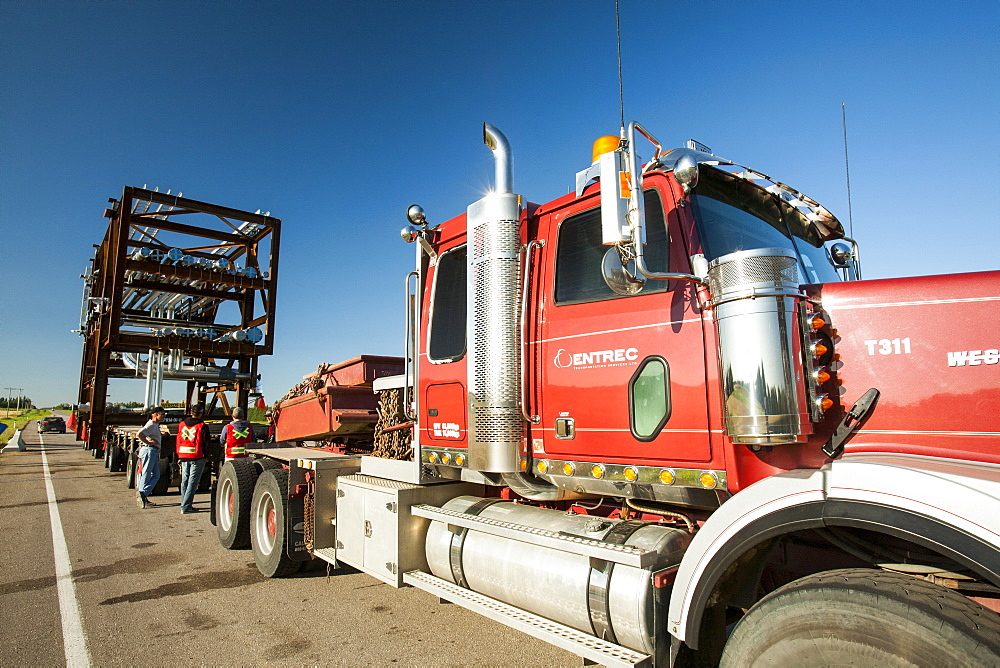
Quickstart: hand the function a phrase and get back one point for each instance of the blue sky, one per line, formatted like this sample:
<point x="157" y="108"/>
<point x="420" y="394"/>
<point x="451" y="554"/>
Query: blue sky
<point x="335" y="116"/>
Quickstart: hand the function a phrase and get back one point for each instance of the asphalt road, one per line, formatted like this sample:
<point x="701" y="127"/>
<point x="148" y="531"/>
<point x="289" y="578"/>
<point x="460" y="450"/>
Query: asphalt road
<point x="153" y="587"/>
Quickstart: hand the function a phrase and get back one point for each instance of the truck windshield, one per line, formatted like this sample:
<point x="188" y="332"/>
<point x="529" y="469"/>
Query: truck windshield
<point x="733" y="215"/>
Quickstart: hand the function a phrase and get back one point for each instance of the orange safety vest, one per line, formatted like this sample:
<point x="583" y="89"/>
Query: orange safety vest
<point x="236" y="442"/>
<point x="189" y="441"/>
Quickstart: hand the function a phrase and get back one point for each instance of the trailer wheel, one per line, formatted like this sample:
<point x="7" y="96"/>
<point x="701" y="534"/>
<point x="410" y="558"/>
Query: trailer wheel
<point x="107" y="455"/>
<point x="131" y="464"/>
<point x="162" y="485"/>
<point x="116" y="460"/>
<point x="267" y="524"/>
<point x="234" y="492"/>
<point x="860" y="616"/>
<point x="205" y="484"/>
<point x="266" y="464"/>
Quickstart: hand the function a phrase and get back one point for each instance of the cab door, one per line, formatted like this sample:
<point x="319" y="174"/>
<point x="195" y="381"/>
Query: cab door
<point x="618" y="377"/>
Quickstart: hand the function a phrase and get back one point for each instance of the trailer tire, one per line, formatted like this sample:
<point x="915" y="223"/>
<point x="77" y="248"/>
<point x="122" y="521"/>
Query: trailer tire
<point x="107" y="455"/>
<point x="266" y="464"/>
<point x="116" y="460"/>
<point x="205" y="484"/>
<point x="860" y="616"/>
<point x="234" y="493"/>
<point x="267" y="524"/>
<point x="130" y="467"/>
<point x="162" y="485"/>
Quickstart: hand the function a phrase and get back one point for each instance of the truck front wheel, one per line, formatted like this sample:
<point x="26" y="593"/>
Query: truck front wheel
<point x="860" y="616"/>
<point x="233" y="494"/>
<point x="268" y="524"/>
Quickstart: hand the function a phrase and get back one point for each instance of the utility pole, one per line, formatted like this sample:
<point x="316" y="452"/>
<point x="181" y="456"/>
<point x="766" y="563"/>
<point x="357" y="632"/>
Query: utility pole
<point x="7" y="407"/>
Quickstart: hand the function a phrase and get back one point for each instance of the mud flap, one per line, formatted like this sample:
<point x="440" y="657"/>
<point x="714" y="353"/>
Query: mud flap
<point x="211" y="499"/>
<point x="295" y="536"/>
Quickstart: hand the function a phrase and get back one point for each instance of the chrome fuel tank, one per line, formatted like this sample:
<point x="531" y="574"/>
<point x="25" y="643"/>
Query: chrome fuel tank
<point x="612" y="601"/>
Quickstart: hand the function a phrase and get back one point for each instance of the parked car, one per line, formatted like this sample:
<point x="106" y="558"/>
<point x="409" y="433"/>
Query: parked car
<point x="56" y="424"/>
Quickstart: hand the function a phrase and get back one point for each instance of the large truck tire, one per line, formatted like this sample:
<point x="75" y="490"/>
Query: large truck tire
<point x="234" y="493"/>
<point x="162" y="485"/>
<point x="107" y="455"/>
<point x="131" y="464"/>
<point x="268" y="516"/>
<point x="864" y="617"/>
<point x="116" y="460"/>
<point x="205" y="484"/>
<point x="266" y="464"/>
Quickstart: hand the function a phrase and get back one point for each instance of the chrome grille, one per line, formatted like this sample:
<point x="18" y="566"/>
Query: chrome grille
<point x="738" y="271"/>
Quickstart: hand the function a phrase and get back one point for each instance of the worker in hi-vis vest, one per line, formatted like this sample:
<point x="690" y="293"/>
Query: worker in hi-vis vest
<point x="192" y="440"/>
<point x="236" y="435"/>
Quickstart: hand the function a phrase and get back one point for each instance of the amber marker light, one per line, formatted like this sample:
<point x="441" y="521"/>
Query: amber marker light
<point x="818" y="349"/>
<point x="524" y="464"/>
<point x="446" y="458"/>
<point x="597" y="471"/>
<point x="432" y="458"/>
<point x="821" y="375"/>
<point x="816" y="321"/>
<point x="460" y="460"/>
<point x="569" y="468"/>
<point x="824" y="402"/>
<point x="667" y="477"/>
<point x="543" y="466"/>
<point x="631" y="474"/>
<point x="708" y="479"/>
<point x="605" y="144"/>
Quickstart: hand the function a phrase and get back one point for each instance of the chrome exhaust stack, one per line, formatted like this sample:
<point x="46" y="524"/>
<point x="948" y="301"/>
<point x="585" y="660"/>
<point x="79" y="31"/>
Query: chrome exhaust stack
<point x="755" y="298"/>
<point x="494" y="352"/>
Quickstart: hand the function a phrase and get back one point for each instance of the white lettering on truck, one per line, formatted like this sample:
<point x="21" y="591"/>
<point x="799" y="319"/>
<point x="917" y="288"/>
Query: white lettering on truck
<point x="973" y="357"/>
<point x="889" y="346"/>
<point x="617" y="357"/>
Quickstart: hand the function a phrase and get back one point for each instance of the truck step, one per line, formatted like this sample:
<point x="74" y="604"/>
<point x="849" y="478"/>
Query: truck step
<point x="598" y="549"/>
<point x="564" y="637"/>
<point x="328" y="554"/>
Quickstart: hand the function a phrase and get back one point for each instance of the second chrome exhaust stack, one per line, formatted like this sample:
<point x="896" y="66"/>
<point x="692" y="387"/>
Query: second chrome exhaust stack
<point x="494" y="355"/>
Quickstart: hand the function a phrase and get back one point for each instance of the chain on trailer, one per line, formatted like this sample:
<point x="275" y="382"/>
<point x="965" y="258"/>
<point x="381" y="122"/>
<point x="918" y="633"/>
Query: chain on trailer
<point x="314" y="385"/>
<point x="393" y="431"/>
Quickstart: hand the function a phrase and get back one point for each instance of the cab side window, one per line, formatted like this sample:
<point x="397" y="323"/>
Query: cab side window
<point x="580" y="253"/>
<point x="448" y="308"/>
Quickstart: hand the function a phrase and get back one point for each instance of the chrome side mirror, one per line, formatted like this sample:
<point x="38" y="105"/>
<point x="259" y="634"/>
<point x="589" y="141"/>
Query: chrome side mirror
<point x="841" y="255"/>
<point x="622" y="279"/>
<point x="415" y="214"/>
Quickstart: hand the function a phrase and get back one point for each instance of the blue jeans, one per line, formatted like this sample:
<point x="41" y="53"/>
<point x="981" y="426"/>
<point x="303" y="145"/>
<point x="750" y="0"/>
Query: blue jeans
<point x="191" y="470"/>
<point x="149" y="465"/>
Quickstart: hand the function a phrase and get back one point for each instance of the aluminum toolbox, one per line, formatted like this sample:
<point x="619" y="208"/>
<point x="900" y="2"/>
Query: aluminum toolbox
<point x="377" y="534"/>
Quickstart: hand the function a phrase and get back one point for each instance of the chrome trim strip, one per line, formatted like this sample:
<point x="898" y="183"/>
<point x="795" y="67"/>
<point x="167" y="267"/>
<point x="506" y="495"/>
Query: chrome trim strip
<point x="615" y="331"/>
<point x="646" y="475"/>
<point x="833" y="306"/>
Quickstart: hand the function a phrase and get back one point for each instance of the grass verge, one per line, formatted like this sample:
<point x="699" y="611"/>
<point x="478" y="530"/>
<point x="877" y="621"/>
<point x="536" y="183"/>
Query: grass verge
<point x="15" y="421"/>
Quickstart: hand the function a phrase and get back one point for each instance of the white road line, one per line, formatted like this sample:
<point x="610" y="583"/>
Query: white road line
<point x="74" y="641"/>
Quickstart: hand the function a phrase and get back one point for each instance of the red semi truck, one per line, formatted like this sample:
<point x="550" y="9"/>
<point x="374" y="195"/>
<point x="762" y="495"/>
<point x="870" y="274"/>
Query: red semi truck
<point x="660" y="420"/>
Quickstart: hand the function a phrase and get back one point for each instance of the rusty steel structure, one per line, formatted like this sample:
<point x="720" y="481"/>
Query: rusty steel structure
<point x="178" y="290"/>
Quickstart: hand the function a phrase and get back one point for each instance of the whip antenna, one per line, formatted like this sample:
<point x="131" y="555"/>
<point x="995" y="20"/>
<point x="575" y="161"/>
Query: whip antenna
<point x="847" y="167"/>
<point x="621" y="97"/>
